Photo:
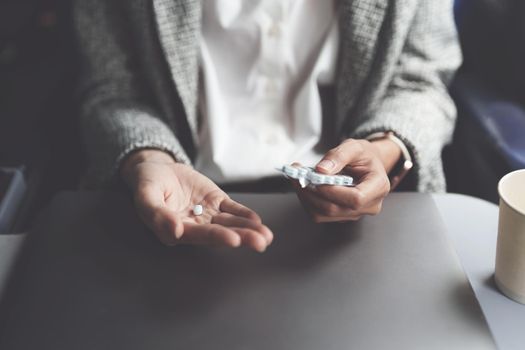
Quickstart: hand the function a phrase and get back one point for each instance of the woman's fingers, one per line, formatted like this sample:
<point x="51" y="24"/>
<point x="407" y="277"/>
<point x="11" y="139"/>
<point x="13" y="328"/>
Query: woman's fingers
<point x="228" y="205"/>
<point x="233" y="221"/>
<point x="245" y="222"/>
<point x="210" y="234"/>
<point x="372" y="187"/>
<point x="326" y="210"/>
<point x="339" y="203"/>
<point x="358" y="155"/>
<point x="219" y="235"/>
<point x="252" y="239"/>
<point x="336" y="159"/>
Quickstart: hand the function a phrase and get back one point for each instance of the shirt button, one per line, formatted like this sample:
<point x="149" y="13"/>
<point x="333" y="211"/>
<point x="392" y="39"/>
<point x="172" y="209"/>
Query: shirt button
<point x="275" y="30"/>
<point x="271" y="87"/>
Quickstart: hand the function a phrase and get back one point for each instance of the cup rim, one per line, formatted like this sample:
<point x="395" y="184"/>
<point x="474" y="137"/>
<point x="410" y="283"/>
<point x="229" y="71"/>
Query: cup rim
<point x="522" y="212"/>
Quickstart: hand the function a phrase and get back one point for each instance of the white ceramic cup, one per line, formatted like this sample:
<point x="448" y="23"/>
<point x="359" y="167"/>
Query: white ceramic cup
<point x="510" y="252"/>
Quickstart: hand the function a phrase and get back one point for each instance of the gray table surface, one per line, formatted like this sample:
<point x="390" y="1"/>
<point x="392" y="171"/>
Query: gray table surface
<point x="472" y="229"/>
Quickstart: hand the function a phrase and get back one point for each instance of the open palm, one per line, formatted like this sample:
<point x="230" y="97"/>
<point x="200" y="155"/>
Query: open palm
<point x="165" y="194"/>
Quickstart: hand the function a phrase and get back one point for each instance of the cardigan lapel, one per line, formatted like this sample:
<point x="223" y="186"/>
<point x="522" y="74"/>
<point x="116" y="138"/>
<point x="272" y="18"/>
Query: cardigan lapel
<point x="360" y="24"/>
<point x="178" y="25"/>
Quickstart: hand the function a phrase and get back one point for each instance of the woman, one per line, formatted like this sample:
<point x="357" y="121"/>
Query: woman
<point x="179" y="95"/>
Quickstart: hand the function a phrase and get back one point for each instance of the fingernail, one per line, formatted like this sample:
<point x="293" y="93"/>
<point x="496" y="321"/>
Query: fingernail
<point x="236" y="242"/>
<point x="326" y="164"/>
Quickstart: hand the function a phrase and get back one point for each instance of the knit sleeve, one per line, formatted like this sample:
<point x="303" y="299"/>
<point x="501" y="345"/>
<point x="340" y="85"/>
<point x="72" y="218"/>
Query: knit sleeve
<point x="116" y="113"/>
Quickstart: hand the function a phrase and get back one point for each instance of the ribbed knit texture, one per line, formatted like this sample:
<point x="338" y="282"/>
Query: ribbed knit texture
<point x="140" y="78"/>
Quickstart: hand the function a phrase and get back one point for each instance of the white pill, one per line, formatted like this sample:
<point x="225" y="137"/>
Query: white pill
<point x="330" y="180"/>
<point x="197" y="210"/>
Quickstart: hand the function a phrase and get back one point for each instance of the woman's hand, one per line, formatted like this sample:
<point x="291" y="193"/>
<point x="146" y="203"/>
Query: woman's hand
<point x="165" y="194"/>
<point x="369" y="163"/>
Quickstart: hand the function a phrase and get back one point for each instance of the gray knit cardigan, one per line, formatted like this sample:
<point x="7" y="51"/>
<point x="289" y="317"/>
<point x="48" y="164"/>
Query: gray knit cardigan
<point x="140" y="77"/>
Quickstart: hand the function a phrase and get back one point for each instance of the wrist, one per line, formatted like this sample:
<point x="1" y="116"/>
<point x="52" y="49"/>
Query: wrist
<point x="132" y="160"/>
<point x="388" y="151"/>
<point x="403" y="162"/>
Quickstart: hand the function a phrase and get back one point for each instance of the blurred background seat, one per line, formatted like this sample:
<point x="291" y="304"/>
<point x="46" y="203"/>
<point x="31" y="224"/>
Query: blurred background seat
<point x="489" y="91"/>
<point x="38" y="130"/>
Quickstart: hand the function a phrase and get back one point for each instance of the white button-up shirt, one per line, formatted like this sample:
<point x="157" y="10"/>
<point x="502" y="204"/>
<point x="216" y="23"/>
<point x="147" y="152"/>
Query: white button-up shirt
<point x="261" y="62"/>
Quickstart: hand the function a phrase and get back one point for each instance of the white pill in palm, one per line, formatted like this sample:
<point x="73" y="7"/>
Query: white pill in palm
<point x="198" y="210"/>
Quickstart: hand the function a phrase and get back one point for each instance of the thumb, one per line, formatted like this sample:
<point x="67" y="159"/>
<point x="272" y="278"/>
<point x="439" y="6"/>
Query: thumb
<point x="331" y="163"/>
<point x="327" y="166"/>
<point x="338" y="158"/>
<point x="156" y="215"/>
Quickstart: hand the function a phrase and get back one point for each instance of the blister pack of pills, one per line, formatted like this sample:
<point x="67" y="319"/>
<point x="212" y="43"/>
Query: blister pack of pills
<point x="307" y="176"/>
